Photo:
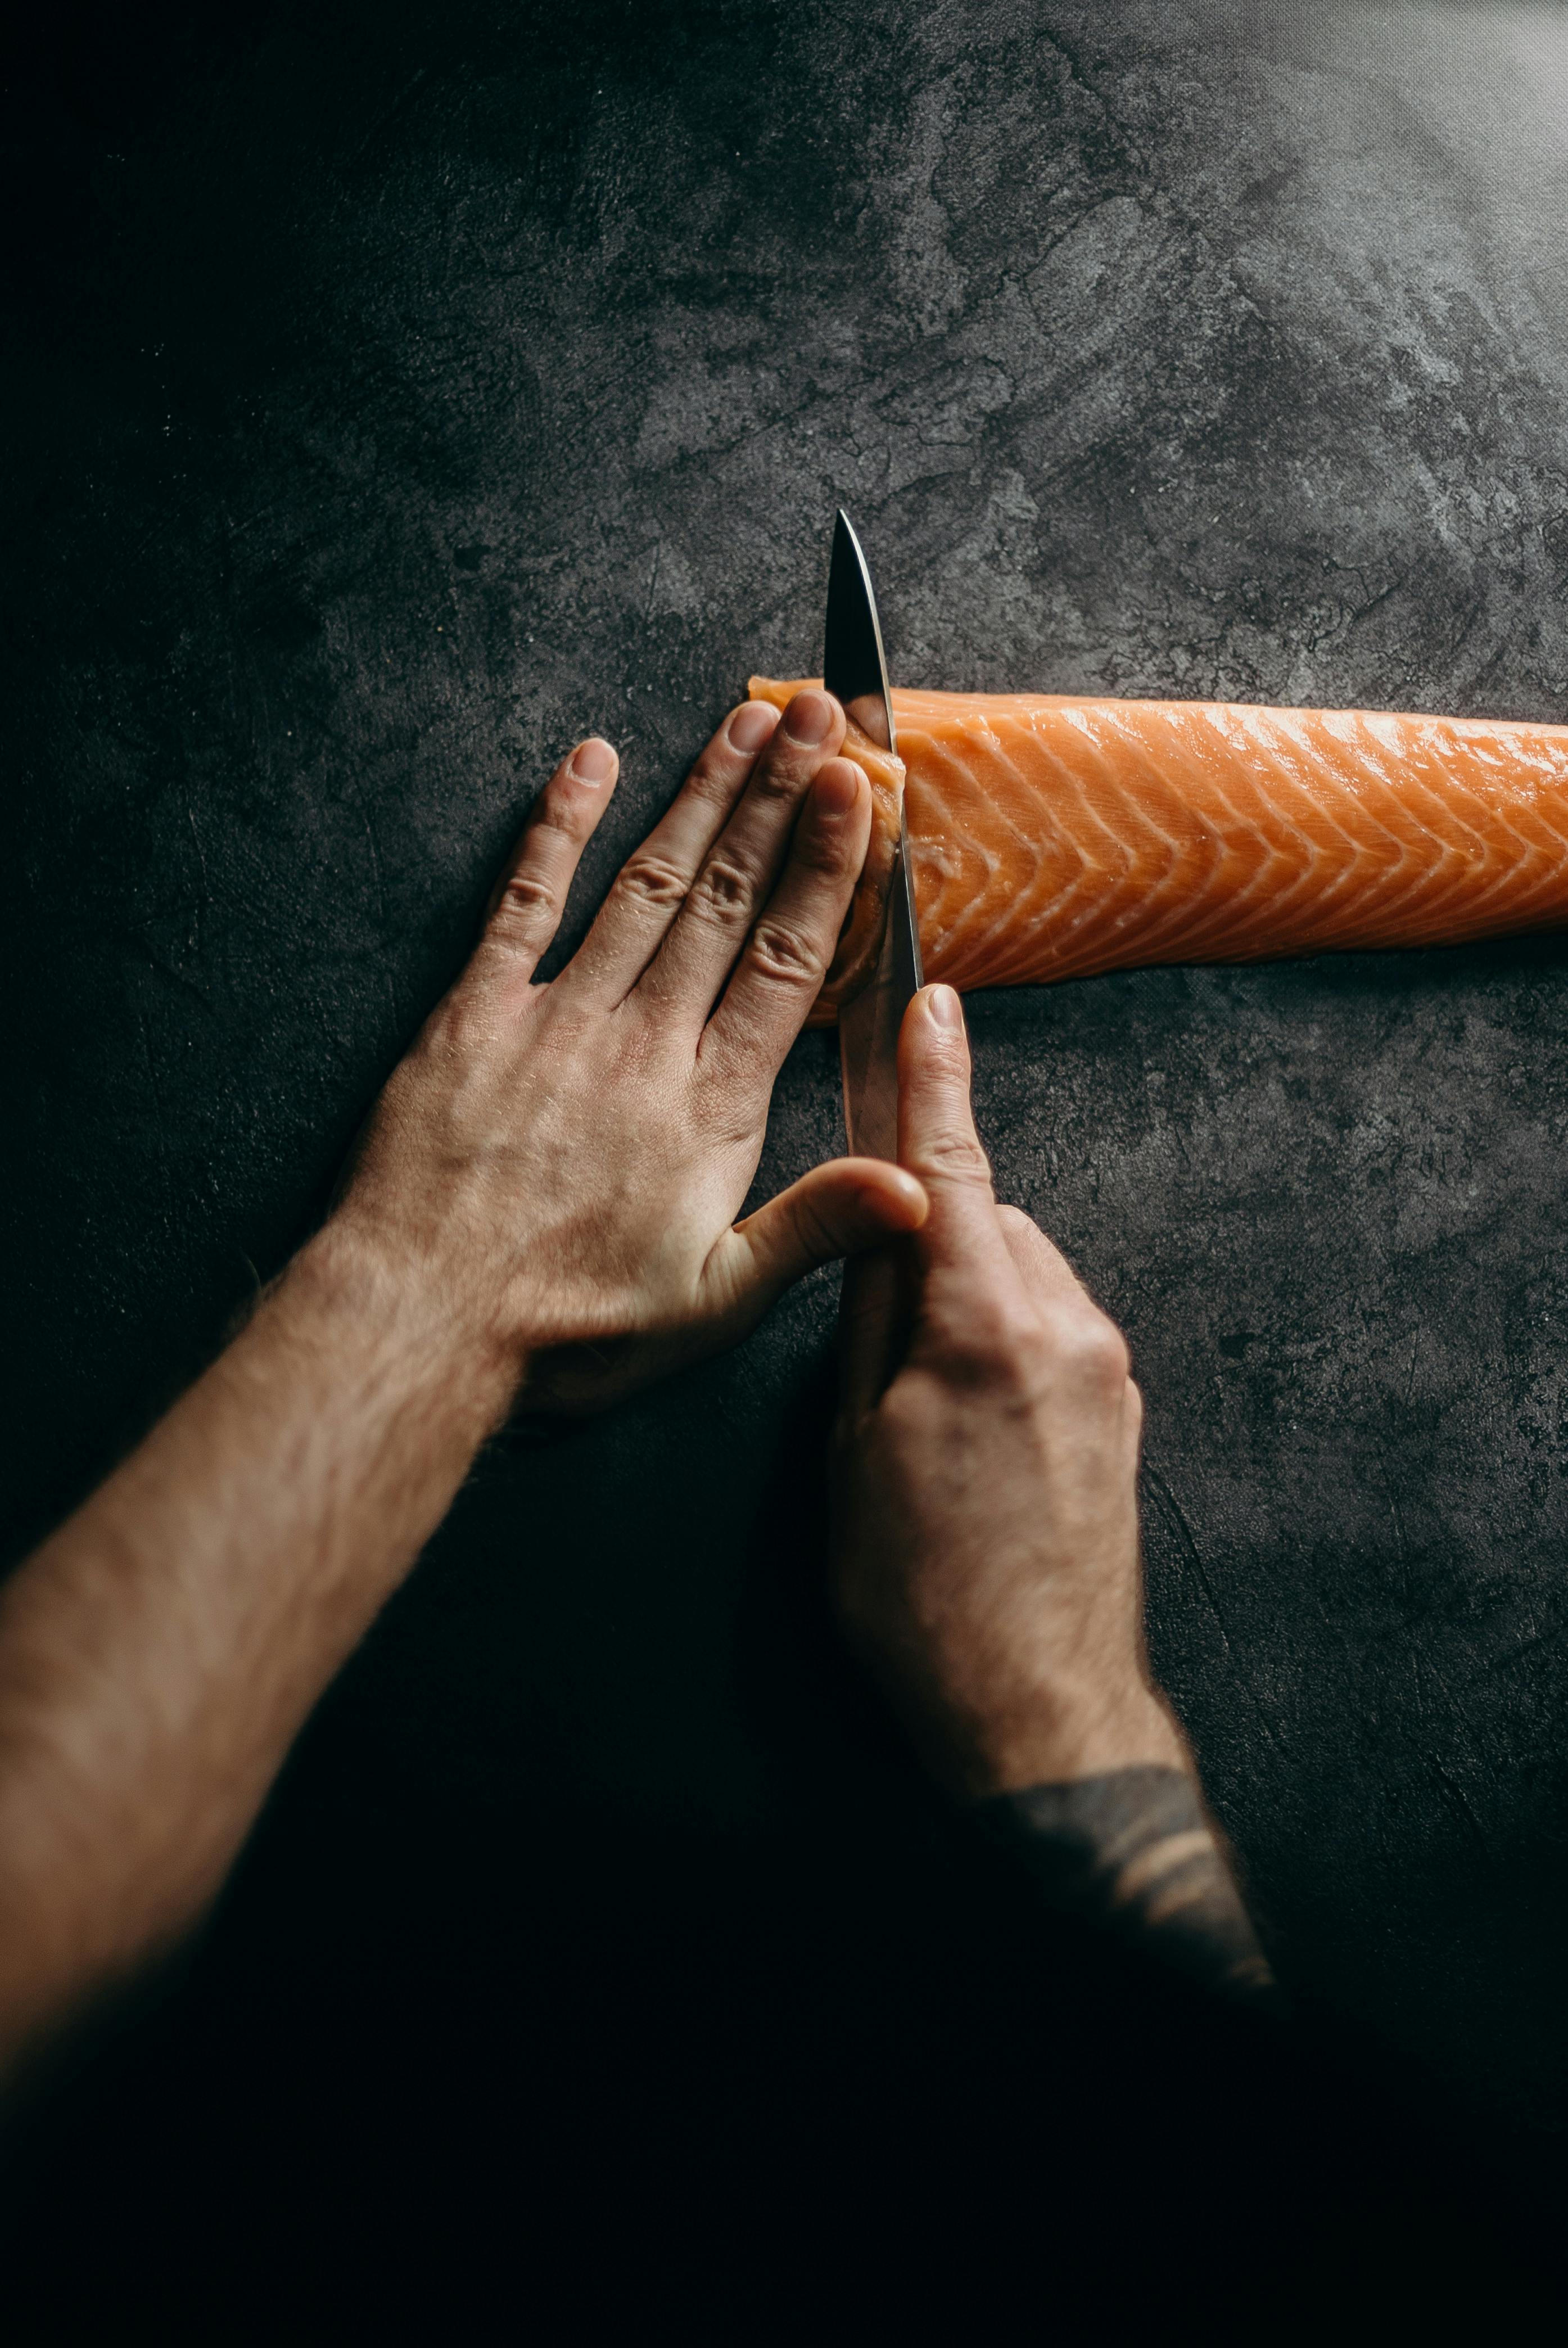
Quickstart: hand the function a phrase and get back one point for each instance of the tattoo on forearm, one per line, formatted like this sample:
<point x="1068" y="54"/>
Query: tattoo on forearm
<point x="1131" y="1853"/>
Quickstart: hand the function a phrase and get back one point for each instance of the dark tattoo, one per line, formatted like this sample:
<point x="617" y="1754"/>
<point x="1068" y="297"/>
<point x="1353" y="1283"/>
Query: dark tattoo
<point x="1132" y="1854"/>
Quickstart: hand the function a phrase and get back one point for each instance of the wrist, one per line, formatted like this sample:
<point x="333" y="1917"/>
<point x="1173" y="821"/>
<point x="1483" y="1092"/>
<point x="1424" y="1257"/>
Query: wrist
<point x="1132" y="1854"/>
<point x="405" y="1314"/>
<point x="1056" y="1735"/>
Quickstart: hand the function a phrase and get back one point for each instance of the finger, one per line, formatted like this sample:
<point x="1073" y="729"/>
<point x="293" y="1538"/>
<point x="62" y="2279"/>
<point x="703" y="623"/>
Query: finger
<point x="937" y="1140"/>
<point x="873" y="1310"/>
<point x="1043" y="1269"/>
<point x="786" y="958"/>
<point x="651" y="887"/>
<point x="837" y="1209"/>
<point x="527" y="902"/>
<point x="705" y="938"/>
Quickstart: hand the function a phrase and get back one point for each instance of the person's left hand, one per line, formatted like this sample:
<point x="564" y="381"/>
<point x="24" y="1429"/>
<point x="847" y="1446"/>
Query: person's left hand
<point x="555" y="1170"/>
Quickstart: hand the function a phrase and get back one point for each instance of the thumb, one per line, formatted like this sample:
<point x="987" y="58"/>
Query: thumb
<point x="837" y="1209"/>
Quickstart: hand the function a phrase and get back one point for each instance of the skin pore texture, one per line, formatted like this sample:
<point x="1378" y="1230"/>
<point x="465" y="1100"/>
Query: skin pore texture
<point x="542" y="1206"/>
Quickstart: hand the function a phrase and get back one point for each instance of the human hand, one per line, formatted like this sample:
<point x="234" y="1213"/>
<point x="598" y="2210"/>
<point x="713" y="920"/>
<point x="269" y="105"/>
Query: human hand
<point x="986" y="1544"/>
<point x="557" y="1167"/>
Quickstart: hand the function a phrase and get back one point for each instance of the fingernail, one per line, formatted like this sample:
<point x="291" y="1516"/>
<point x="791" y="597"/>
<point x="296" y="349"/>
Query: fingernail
<point x="943" y="1004"/>
<point x="593" y="761"/>
<point x="837" y="787"/>
<point x="749" y="727"/>
<point x="809" y="719"/>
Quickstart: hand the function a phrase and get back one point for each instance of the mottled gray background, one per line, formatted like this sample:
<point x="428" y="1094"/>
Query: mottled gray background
<point x="401" y="396"/>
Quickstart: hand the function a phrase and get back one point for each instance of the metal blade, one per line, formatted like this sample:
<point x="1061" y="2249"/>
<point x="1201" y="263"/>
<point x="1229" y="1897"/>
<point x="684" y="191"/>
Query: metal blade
<point x="854" y="670"/>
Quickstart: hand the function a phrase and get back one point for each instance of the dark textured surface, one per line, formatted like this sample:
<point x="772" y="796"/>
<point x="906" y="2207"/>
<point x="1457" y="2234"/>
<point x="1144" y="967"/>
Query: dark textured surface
<point x="400" y="400"/>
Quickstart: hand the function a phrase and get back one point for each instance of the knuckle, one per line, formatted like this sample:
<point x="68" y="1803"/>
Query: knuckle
<point x="559" y="806"/>
<point x="1092" y="1352"/>
<point x="651" y="881"/>
<point x="524" y="901"/>
<point x="985" y="1339"/>
<point x="957" y="1155"/>
<point x="1003" y="1350"/>
<point x="945" y="1058"/>
<point x="723" y="893"/>
<point x="910" y="1413"/>
<point x="559" y="816"/>
<point x="463" y="1029"/>
<point x="825" y="849"/>
<point x="988" y="1327"/>
<point x="782" y="954"/>
<point x="777" y="782"/>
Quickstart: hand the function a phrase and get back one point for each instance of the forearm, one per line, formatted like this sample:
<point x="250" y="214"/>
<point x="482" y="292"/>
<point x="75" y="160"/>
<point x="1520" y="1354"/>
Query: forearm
<point x="160" y="1651"/>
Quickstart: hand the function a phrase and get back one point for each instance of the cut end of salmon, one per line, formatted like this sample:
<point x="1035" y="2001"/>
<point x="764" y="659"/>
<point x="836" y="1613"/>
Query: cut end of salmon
<point x="854" y="962"/>
<point x="1055" y="836"/>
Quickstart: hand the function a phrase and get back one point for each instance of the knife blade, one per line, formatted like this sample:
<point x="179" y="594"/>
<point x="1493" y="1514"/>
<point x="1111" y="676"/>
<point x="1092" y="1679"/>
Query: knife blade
<point x="855" y="671"/>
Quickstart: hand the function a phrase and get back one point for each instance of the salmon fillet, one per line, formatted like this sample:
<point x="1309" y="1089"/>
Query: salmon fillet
<point x="1053" y="837"/>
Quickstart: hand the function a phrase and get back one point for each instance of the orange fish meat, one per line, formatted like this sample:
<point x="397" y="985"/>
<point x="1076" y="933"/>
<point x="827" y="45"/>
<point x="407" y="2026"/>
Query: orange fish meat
<point x="1053" y="836"/>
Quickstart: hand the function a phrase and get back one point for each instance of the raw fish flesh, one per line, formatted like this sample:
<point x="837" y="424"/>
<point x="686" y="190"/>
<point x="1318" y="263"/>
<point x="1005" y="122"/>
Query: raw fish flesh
<point x="1053" y="837"/>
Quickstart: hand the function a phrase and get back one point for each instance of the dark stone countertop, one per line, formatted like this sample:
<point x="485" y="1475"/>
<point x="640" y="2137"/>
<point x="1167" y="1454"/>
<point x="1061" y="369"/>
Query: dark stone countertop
<point x="407" y="391"/>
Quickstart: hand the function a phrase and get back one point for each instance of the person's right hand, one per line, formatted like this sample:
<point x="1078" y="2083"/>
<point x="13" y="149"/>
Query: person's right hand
<point x="985" y="1547"/>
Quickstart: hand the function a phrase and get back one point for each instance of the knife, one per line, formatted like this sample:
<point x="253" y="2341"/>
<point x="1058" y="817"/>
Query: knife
<point x="855" y="672"/>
